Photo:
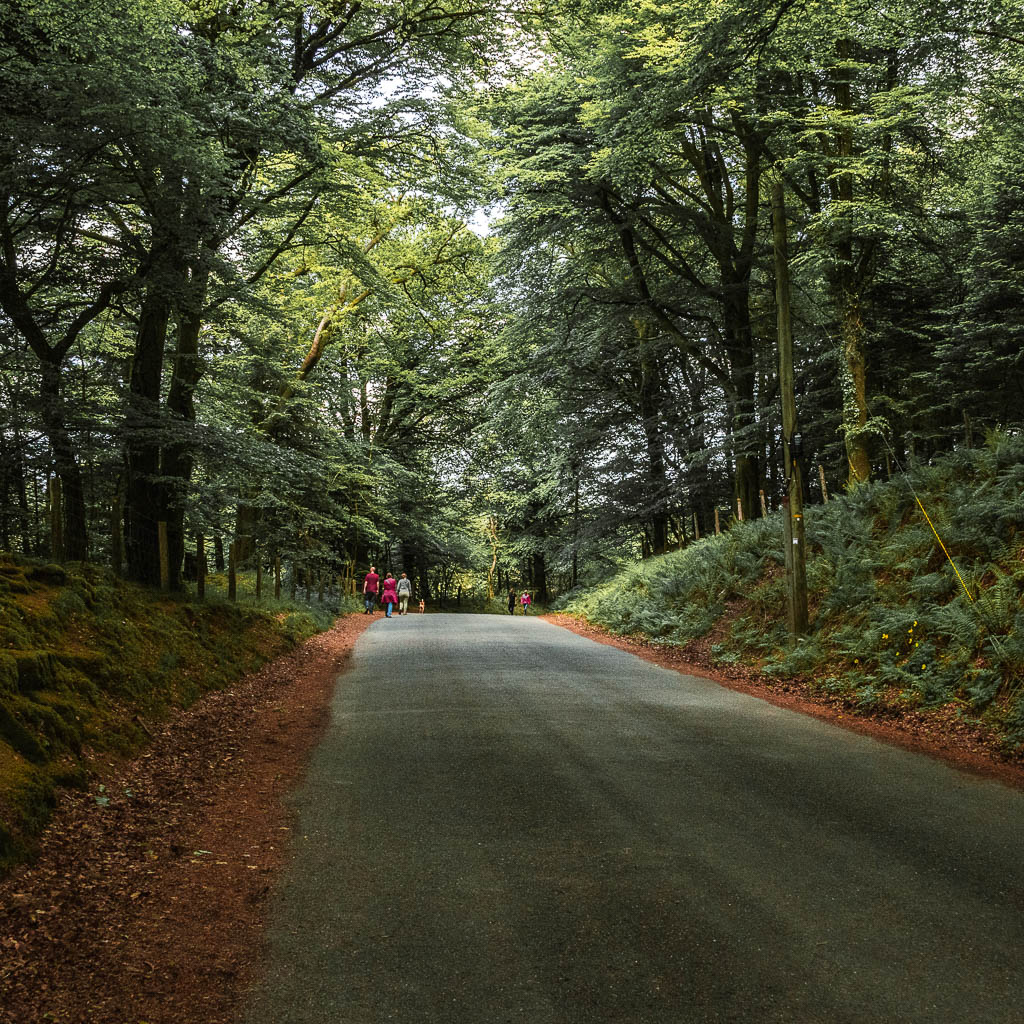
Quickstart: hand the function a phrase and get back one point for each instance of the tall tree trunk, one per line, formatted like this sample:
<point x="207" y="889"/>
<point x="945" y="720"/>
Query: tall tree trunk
<point x="742" y="367"/>
<point x="855" y="401"/>
<point x="650" y="416"/>
<point x="848" y="280"/>
<point x="178" y="458"/>
<point x="540" y="578"/>
<point x="144" y="502"/>
<point x="75" y="528"/>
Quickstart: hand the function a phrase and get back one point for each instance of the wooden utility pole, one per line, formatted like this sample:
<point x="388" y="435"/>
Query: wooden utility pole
<point x="793" y="505"/>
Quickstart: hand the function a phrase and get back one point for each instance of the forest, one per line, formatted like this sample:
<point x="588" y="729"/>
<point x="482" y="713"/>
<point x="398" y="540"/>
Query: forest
<point x="487" y="293"/>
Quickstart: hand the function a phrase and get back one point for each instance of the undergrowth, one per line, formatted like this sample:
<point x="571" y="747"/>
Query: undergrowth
<point x="892" y="624"/>
<point x="86" y="660"/>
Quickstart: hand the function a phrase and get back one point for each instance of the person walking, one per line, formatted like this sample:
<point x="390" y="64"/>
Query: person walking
<point x="404" y="591"/>
<point x="370" y="584"/>
<point x="525" y="602"/>
<point x="511" y="601"/>
<point x="389" y="597"/>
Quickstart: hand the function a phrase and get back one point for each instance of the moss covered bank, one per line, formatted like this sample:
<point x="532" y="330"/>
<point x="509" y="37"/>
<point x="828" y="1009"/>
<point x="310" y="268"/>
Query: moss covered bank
<point x="88" y="663"/>
<point x="892" y="626"/>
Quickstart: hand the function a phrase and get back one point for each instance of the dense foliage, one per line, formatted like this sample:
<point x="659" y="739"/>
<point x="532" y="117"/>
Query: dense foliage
<point x="247" y="288"/>
<point x="238" y="296"/>
<point x="898" y="624"/>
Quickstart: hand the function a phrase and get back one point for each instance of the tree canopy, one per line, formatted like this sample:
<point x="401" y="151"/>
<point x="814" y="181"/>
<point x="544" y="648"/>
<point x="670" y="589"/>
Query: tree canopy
<point x="487" y="294"/>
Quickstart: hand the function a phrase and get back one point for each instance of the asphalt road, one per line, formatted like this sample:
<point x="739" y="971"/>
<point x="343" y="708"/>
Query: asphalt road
<point x="507" y="822"/>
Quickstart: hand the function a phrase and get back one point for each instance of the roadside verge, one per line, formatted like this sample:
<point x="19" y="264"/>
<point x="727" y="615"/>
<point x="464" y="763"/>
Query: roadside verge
<point x="146" y="902"/>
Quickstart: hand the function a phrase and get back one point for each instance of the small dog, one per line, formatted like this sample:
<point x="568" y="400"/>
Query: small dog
<point x="423" y="606"/>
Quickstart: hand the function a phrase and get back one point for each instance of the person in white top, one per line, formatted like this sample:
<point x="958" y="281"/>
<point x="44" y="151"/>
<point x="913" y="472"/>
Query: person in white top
<point x="404" y="593"/>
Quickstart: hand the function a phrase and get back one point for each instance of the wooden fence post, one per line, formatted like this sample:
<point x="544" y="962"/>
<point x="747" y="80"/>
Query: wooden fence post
<point x="718" y="523"/>
<point x="696" y="527"/>
<point x="821" y="477"/>
<point x="165" y="556"/>
<point x="200" y="566"/>
<point x="764" y="504"/>
<point x="232" y="571"/>
<point x="56" y="519"/>
<point x="117" y="532"/>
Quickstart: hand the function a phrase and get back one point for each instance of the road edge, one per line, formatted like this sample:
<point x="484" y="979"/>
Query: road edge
<point x="964" y="748"/>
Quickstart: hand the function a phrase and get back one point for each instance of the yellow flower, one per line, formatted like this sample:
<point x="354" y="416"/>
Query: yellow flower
<point x="856" y="661"/>
<point x="885" y="636"/>
<point x="922" y="668"/>
<point x="915" y="622"/>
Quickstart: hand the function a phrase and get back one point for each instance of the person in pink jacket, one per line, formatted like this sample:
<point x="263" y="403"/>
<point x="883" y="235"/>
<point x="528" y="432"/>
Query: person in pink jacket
<point x="389" y="594"/>
<point x="525" y="601"/>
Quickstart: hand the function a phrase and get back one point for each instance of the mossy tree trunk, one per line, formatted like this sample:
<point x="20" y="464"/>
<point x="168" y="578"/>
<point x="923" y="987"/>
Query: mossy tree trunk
<point x="851" y="272"/>
<point x="178" y="459"/>
<point x="144" y="499"/>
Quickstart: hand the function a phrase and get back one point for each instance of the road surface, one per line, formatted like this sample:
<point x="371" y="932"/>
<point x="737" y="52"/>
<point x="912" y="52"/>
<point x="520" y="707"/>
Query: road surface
<point x="507" y="822"/>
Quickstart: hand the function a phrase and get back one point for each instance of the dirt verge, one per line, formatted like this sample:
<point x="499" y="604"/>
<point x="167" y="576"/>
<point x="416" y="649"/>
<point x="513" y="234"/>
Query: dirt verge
<point x="146" y="903"/>
<point x="942" y="733"/>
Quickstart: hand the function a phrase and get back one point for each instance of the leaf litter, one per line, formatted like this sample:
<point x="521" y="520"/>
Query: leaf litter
<point x="147" y="900"/>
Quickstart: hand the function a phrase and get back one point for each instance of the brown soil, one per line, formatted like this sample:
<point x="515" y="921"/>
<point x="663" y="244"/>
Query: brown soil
<point x="941" y="733"/>
<point x="146" y="903"/>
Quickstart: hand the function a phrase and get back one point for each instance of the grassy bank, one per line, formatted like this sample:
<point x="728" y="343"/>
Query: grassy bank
<point x="88" y="663"/>
<point x="892" y="626"/>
